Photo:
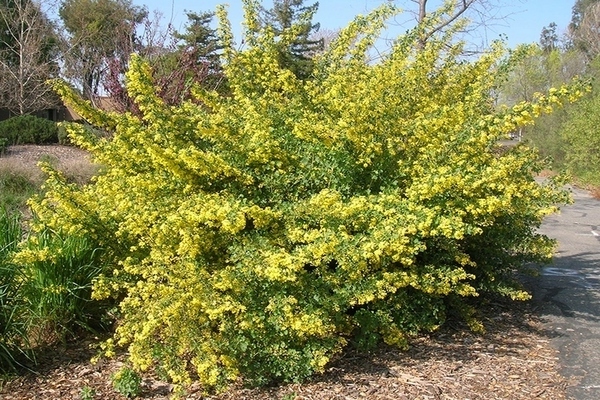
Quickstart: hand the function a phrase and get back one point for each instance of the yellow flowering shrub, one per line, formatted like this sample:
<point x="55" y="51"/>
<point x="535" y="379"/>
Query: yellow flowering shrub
<point x="257" y="234"/>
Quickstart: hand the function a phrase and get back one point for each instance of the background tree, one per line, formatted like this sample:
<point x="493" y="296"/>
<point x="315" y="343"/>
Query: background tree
<point x="98" y="31"/>
<point x="199" y="53"/>
<point x="28" y="57"/>
<point x="479" y="13"/>
<point x="297" y="54"/>
<point x="539" y="70"/>
<point x="549" y="38"/>
<point x="585" y="27"/>
<point x="178" y="60"/>
<point x="581" y="135"/>
<point x="579" y="9"/>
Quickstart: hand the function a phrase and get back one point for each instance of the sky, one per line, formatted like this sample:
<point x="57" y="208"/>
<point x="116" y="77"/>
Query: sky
<point x="519" y="21"/>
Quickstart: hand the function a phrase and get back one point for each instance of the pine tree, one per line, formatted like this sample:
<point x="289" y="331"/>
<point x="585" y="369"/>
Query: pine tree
<point x="200" y="47"/>
<point x="297" y="55"/>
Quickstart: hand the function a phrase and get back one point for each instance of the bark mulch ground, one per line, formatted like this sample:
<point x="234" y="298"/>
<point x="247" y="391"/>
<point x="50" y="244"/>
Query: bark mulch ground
<point x="513" y="359"/>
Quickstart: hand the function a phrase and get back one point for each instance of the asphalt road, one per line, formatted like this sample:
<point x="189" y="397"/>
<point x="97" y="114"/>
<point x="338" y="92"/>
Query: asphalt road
<point x="568" y="293"/>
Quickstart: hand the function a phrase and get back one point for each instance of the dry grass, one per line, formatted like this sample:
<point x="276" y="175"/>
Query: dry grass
<point x="23" y="160"/>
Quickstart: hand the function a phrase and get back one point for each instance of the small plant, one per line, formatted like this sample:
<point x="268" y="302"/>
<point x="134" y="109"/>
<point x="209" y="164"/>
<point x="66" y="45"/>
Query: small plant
<point x="3" y="145"/>
<point x="87" y="393"/>
<point x="127" y="382"/>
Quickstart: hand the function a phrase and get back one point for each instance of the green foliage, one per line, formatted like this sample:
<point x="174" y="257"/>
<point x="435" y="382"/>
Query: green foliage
<point x="15" y="188"/>
<point x="257" y="234"/>
<point x="28" y="129"/>
<point x="12" y="329"/>
<point x="56" y="285"/>
<point x="87" y="393"/>
<point x="127" y="382"/>
<point x="3" y="145"/>
<point x="582" y="138"/>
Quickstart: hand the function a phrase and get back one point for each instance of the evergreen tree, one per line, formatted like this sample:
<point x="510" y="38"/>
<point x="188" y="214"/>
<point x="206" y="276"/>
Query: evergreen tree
<point x="584" y="26"/>
<point x="578" y="12"/>
<point x="184" y="59"/>
<point x="549" y="38"/>
<point x="297" y="54"/>
<point x="199" y="50"/>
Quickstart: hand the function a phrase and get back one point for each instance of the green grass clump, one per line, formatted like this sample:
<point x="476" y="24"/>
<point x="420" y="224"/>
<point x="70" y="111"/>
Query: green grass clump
<point x="57" y="288"/>
<point x="44" y="300"/>
<point x="16" y="186"/>
<point x="12" y="327"/>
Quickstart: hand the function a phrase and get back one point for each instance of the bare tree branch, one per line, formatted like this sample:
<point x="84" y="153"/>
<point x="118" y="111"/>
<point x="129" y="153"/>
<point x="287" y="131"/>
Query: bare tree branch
<point x="27" y="58"/>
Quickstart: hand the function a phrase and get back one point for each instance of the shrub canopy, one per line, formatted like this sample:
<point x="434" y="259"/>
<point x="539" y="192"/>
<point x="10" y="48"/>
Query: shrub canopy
<point x="27" y="129"/>
<point x="582" y="141"/>
<point x="259" y="233"/>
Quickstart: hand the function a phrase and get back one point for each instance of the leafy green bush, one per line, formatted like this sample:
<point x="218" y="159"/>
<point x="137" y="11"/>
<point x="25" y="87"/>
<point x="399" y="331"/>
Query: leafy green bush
<point x="259" y="233"/>
<point x="28" y="129"/>
<point x="3" y="145"/>
<point x="62" y="135"/>
<point x="580" y="133"/>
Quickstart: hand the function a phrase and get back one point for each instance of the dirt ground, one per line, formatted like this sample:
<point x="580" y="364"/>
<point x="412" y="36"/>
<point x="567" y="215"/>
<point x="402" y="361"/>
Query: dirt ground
<point x="514" y="359"/>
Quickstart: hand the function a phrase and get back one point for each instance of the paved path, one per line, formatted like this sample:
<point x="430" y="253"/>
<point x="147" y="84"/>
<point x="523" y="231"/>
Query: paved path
<point x="568" y="293"/>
